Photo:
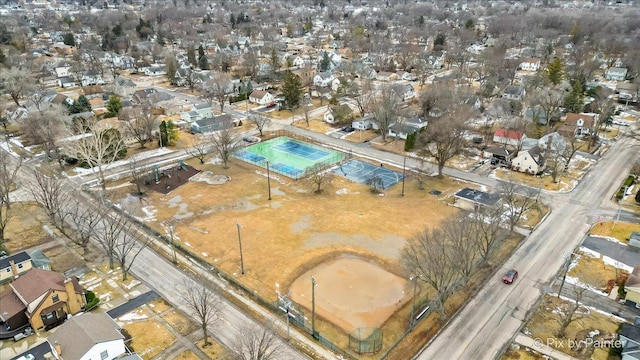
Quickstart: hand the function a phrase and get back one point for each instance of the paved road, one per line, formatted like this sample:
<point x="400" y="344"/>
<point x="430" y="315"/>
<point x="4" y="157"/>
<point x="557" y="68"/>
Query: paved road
<point x="39" y="351"/>
<point x="490" y="320"/>
<point x="597" y="301"/>
<point x="627" y="255"/>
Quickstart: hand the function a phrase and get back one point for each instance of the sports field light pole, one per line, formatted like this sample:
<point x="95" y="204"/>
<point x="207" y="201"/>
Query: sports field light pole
<point x="313" y="307"/>
<point x="240" y="244"/>
<point x="404" y="167"/>
<point x="268" y="180"/>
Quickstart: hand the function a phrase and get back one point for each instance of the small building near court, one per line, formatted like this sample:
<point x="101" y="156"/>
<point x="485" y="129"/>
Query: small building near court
<point x="470" y="199"/>
<point x="634" y="239"/>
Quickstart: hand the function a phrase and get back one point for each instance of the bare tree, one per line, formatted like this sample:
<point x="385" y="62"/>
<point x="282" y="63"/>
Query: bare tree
<point x="225" y="142"/>
<point x="85" y="219"/>
<point x="204" y="305"/>
<point x="444" y="138"/>
<point x="8" y="170"/>
<point x="199" y="147"/>
<point x="102" y="146"/>
<point x="464" y="254"/>
<point x="108" y="233"/>
<point x="363" y="94"/>
<point x="219" y="87"/>
<point x="140" y="122"/>
<point x="569" y="311"/>
<point x="15" y="82"/>
<point x="259" y="120"/>
<point x="257" y="343"/>
<point x="428" y="256"/>
<point x="46" y="128"/>
<point x="385" y="110"/>
<point x="517" y="199"/>
<point x="129" y="245"/>
<point x="573" y="146"/>
<point x="487" y="230"/>
<point x="49" y="192"/>
<point x="138" y="169"/>
<point x="318" y="176"/>
<point x="549" y="100"/>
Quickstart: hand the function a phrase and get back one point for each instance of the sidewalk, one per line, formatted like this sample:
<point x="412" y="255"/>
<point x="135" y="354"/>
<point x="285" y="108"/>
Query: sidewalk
<point x="600" y="302"/>
<point x="539" y="346"/>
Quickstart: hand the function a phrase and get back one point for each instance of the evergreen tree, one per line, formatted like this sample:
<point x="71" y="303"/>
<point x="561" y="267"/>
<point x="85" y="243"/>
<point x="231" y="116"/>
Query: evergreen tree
<point x="275" y="61"/>
<point x="574" y="101"/>
<point x="555" y="71"/>
<point x="325" y="62"/>
<point x="292" y="90"/>
<point x="68" y="39"/>
<point x="232" y="20"/>
<point x="79" y="106"/>
<point x="3" y="58"/>
<point x="203" y="62"/>
<point x="113" y="106"/>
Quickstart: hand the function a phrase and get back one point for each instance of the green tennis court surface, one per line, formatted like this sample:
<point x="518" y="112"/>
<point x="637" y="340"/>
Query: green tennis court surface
<point x="288" y="157"/>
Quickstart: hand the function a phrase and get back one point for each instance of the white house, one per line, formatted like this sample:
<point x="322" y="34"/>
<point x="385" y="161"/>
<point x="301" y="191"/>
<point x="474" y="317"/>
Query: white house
<point x="404" y="92"/>
<point x="87" y="337"/>
<point x="530" y="161"/>
<point x="261" y="97"/>
<point x="155" y="71"/>
<point x="62" y="69"/>
<point x="514" y="92"/>
<point x="91" y="77"/>
<point x="323" y="79"/>
<point x="530" y="64"/>
<point x="365" y="123"/>
<point x="66" y="82"/>
<point x="298" y="61"/>
<point x="335" y="84"/>
<point x="406" y="127"/>
<point x="328" y="116"/>
<point x="616" y="74"/>
<point x="386" y="76"/>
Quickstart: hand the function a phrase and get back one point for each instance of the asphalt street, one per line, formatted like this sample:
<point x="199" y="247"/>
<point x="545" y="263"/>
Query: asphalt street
<point x="627" y="255"/>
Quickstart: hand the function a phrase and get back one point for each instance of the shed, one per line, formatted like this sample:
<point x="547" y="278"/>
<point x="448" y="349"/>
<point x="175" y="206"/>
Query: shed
<point x="469" y="199"/>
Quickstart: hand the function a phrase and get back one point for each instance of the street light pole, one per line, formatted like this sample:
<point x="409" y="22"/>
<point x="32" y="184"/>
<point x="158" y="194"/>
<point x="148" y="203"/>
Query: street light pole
<point x="240" y="244"/>
<point x="404" y="167"/>
<point x="268" y="180"/>
<point x="173" y="248"/>
<point x="412" y="320"/>
<point x="313" y="306"/>
<point x="566" y="270"/>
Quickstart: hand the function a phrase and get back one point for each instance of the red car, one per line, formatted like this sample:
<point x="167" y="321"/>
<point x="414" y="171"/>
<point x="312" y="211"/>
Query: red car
<point x="510" y="276"/>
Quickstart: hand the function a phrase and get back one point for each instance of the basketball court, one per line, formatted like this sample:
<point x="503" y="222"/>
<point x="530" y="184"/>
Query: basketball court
<point x="362" y="172"/>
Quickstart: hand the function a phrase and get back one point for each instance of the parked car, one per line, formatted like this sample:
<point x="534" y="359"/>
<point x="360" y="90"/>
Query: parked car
<point x="348" y="129"/>
<point x="510" y="276"/>
<point x="269" y="106"/>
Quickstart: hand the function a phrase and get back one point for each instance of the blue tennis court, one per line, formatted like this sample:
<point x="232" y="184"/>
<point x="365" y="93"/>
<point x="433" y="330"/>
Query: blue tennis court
<point x="362" y="172"/>
<point x="289" y="157"/>
<point x="301" y="150"/>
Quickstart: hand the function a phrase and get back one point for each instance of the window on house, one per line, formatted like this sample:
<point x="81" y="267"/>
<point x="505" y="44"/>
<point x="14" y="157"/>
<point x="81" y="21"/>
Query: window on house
<point x="104" y="354"/>
<point x="20" y="266"/>
<point x="8" y="269"/>
<point x="55" y="298"/>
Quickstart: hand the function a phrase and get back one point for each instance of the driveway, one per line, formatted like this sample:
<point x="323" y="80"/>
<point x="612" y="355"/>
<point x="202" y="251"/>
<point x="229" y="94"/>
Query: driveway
<point x="627" y="255"/>
<point x="132" y="304"/>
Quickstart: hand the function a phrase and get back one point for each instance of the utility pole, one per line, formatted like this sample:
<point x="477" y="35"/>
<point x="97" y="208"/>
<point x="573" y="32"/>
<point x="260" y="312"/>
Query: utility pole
<point x="412" y="320"/>
<point x="240" y="244"/>
<point x="268" y="180"/>
<point x="566" y="270"/>
<point x="404" y="167"/>
<point x="313" y="306"/>
<point x="173" y="248"/>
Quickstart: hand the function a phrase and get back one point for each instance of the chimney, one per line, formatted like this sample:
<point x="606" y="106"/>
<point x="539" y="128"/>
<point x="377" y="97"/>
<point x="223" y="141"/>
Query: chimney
<point x="14" y="268"/>
<point x="58" y="349"/>
<point x="74" y="306"/>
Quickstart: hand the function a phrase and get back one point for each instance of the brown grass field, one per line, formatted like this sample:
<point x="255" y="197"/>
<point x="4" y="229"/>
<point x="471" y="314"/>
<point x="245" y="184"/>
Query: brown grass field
<point x="615" y="229"/>
<point x="286" y="238"/>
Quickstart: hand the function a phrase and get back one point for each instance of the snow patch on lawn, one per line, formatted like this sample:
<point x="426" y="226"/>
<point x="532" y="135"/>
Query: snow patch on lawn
<point x="134" y="315"/>
<point x="609" y="238"/>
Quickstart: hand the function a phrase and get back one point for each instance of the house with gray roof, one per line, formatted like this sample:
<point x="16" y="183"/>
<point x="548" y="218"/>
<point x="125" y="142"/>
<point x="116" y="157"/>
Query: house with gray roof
<point x="469" y="199"/>
<point x="88" y="336"/>
<point x="212" y="124"/>
<point x="14" y="265"/>
<point x="616" y="74"/>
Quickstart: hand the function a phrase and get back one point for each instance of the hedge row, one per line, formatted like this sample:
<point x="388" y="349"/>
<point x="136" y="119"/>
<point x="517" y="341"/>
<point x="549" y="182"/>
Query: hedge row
<point x="625" y="186"/>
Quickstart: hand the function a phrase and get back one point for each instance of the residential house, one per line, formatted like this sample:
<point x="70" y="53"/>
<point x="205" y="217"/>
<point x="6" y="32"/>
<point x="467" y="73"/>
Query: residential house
<point x="66" y="82"/>
<point x="298" y="61"/>
<point x="306" y="75"/>
<point x="335" y="84"/>
<point x="212" y="124"/>
<point x="506" y="137"/>
<point x="407" y="126"/>
<point x="197" y="112"/>
<point x="14" y="265"/>
<point x="40" y="260"/>
<point x="632" y="287"/>
<point x="529" y="161"/>
<point x="86" y="337"/>
<point x="530" y="64"/>
<point x="91" y="77"/>
<point x="404" y="92"/>
<point x="328" y="116"/>
<point x="41" y="299"/>
<point x="124" y="87"/>
<point x="514" y="92"/>
<point x="386" y="76"/>
<point x="365" y="123"/>
<point x="578" y="125"/>
<point x="470" y="199"/>
<point x="261" y="97"/>
<point x="406" y="76"/>
<point x="60" y="99"/>
<point x="321" y="92"/>
<point x="627" y="91"/>
<point x="629" y="335"/>
<point x="62" y="69"/>
<point x="323" y="79"/>
<point x="616" y="74"/>
<point x="141" y="96"/>
<point x="92" y="91"/>
<point x="155" y="71"/>
<point x="499" y="155"/>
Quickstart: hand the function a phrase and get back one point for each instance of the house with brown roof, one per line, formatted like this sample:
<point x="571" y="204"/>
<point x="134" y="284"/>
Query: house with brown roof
<point x="41" y="299"/>
<point x="88" y="336"/>
<point x="578" y="125"/>
<point x="261" y="97"/>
